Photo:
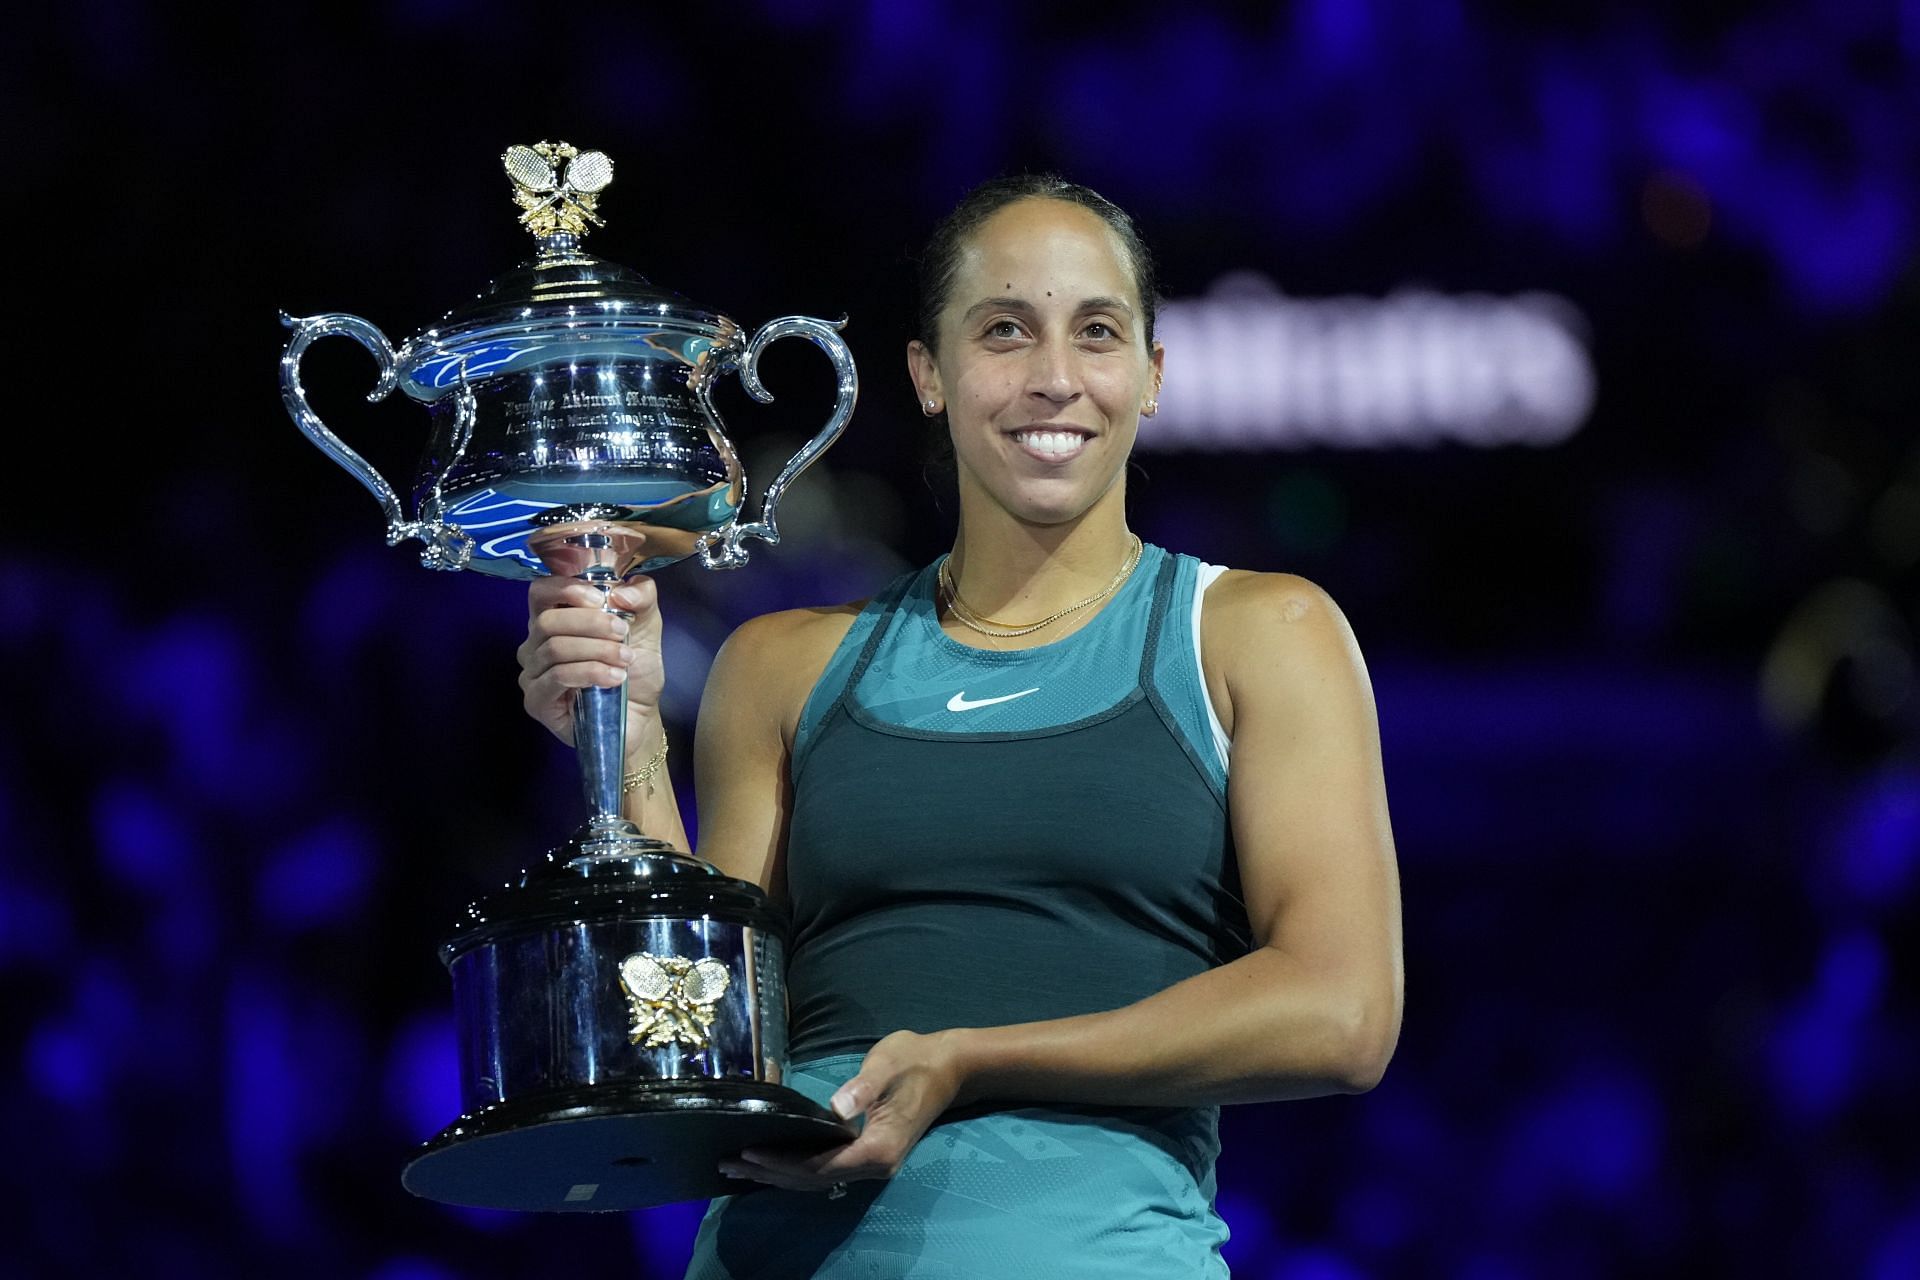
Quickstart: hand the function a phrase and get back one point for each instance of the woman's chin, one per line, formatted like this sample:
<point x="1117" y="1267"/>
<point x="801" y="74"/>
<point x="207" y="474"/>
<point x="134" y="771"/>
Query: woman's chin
<point x="1049" y="500"/>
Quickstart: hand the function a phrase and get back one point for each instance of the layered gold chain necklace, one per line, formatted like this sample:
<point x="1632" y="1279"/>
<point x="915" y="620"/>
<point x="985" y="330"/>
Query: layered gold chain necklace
<point x="1007" y="631"/>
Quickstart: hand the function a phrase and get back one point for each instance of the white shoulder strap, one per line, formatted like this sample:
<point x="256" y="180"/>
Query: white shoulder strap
<point x="1222" y="744"/>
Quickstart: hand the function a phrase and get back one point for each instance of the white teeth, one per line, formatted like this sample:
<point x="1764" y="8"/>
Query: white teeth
<point x="1057" y="442"/>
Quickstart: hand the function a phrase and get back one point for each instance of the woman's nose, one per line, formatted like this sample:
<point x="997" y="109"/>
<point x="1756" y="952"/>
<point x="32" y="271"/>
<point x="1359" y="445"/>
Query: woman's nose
<point x="1053" y="373"/>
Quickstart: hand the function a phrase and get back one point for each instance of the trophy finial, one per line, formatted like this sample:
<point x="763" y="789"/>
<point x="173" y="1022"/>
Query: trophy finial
<point x="557" y="187"/>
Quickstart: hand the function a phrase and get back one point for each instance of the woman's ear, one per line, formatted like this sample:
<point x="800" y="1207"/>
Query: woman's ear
<point x="925" y="372"/>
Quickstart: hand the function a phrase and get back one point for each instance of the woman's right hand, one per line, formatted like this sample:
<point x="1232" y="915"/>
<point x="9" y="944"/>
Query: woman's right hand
<point x="573" y="643"/>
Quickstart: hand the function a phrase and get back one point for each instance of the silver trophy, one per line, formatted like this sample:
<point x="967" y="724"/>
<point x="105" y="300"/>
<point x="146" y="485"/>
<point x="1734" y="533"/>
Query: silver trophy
<point x="621" y="1010"/>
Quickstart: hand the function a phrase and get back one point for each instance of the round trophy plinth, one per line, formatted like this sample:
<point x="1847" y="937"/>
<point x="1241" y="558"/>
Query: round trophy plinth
<point x="612" y="1149"/>
<point x="622" y="1030"/>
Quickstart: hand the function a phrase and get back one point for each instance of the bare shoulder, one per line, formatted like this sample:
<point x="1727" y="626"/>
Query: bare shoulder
<point x="790" y="636"/>
<point x="779" y="656"/>
<point x="1270" y="607"/>
<point x="1272" y="635"/>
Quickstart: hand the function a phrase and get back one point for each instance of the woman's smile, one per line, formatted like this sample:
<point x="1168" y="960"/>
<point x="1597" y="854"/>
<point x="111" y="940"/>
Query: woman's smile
<point x="1052" y="444"/>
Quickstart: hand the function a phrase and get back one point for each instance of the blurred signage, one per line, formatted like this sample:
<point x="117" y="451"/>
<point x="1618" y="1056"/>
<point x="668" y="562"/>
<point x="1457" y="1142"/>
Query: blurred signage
<point x="1250" y="368"/>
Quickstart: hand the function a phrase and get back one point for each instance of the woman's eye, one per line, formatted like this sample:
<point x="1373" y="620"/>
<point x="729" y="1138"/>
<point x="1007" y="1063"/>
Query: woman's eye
<point x="1100" y="331"/>
<point x="1003" y="329"/>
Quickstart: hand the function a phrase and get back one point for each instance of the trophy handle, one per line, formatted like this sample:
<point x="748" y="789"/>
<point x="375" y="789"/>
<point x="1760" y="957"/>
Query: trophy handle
<point x="448" y="546"/>
<point x="722" y="550"/>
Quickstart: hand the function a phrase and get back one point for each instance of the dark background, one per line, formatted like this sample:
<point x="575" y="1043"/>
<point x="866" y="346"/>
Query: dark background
<point x="1647" y="696"/>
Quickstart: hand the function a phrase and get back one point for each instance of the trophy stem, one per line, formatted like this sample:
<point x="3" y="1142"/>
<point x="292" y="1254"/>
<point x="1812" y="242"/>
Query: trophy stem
<point x="600" y="738"/>
<point x="600" y="726"/>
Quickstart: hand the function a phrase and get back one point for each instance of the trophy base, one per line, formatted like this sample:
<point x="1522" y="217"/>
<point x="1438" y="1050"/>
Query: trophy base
<point x="607" y="1150"/>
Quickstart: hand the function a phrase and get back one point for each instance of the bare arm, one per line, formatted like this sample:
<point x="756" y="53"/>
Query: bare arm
<point x="1313" y="1009"/>
<point x="748" y="714"/>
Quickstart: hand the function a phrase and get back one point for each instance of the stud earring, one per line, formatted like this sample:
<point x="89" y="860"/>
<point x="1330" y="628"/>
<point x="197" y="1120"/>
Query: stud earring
<point x="1150" y="408"/>
<point x="933" y="407"/>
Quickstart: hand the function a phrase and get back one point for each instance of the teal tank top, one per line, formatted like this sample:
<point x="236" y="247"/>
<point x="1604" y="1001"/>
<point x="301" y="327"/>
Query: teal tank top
<point x="982" y="837"/>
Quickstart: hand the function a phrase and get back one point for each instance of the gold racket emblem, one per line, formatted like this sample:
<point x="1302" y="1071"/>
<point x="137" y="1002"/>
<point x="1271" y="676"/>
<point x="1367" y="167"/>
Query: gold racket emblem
<point x="557" y="186"/>
<point x="672" y="1000"/>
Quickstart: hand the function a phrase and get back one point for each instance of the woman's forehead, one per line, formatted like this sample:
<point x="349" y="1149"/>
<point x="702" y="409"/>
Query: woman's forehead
<point x="1045" y="248"/>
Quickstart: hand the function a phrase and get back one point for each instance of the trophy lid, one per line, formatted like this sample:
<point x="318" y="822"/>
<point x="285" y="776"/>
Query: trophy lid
<point x="563" y="292"/>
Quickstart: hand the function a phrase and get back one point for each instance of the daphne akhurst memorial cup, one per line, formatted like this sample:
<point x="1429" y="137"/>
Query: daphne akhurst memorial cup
<point x="620" y="1009"/>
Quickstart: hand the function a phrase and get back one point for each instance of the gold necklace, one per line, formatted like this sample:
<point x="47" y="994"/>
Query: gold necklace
<point x="1007" y="631"/>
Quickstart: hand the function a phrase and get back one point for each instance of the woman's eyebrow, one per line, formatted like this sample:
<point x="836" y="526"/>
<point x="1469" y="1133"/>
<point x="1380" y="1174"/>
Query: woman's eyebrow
<point x="1021" y="304"/>
<point x="997" y="304"/>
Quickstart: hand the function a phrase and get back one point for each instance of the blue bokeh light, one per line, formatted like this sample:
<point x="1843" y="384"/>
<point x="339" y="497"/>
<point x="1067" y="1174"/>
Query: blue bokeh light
<point x="1818" y="1041"/>
<point x="1875" y="845"/>
<point x="423" y="1075"/>
<point x="145" y="842"/>
<point x="320" y="877"/>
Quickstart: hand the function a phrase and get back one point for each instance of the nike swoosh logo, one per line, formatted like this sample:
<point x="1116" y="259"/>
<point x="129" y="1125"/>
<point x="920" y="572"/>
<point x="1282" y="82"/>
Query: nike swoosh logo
<point x="959" y="702"/>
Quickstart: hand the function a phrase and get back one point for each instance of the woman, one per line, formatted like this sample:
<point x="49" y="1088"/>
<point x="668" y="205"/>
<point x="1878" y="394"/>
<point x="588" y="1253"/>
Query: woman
<point x="1041" y="932"/>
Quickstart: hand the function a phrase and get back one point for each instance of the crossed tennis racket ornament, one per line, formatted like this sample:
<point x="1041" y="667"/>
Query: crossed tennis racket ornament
<point x="672" y="999"/>
<point x="557" y="185"/>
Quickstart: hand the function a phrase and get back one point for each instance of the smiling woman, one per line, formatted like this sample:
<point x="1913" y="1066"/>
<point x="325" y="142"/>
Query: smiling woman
<point x="1044" y="379"/>
<point x="1041" y="929"/>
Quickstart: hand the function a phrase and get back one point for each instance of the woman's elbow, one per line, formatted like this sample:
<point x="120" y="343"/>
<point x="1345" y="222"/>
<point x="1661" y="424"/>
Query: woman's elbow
<point x="1371" y="1034"/>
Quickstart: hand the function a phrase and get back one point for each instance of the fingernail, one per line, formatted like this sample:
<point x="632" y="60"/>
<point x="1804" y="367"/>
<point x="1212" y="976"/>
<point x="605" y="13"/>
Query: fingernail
<point x="627" y="598"/>
<point x="843" y="1105"/>
<point x="626" y="655"/>
<point x="620" y="628"/>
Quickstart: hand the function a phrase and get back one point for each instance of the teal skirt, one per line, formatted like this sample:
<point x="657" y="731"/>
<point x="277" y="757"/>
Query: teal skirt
<point x="1026" y="1194"/>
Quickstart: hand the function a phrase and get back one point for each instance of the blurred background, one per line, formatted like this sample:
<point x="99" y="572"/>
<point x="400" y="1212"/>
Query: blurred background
<point x="1571" y="347"/>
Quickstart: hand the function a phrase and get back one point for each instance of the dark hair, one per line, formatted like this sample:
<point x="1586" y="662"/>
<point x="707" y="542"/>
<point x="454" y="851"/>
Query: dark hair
<point x="940" y="261"/>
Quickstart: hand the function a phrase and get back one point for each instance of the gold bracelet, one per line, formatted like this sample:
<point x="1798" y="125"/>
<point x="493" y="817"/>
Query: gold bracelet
<point x="644" y="774"/>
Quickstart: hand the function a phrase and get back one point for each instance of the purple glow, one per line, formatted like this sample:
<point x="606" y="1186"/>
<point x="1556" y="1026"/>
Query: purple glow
<point x="1250" y="1219"/>
<point x="492" y="1221"/>
<point x="412" y="1269"/>
<point x="63" y="1065"/>
<point x="1897" y="1256"/>
<point x="664" y="1236"/>
<point x="320" y="877"/>
<point x="1576" y="112"/>
<point x="1817" y="1043"/>
<point x="35" y="925"/>
<point x="1839" y="243"/>
<point x="264" y="1105"/>
<point x="1598" y="1138"/>
<point x="423" y="1075"/>
<point x="348" y="606"/>
<point x="1376" y="1217"/>
<point x="194" y="677"/>
<point x="1337" y="37"/>
<point x="1876" y="844"/>
<point x="144" y="841"/>
<point x="1316" y="1264"/>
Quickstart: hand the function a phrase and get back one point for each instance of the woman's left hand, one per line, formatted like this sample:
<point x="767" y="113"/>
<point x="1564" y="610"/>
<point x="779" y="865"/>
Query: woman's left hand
<point x="903" y="1085"/>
